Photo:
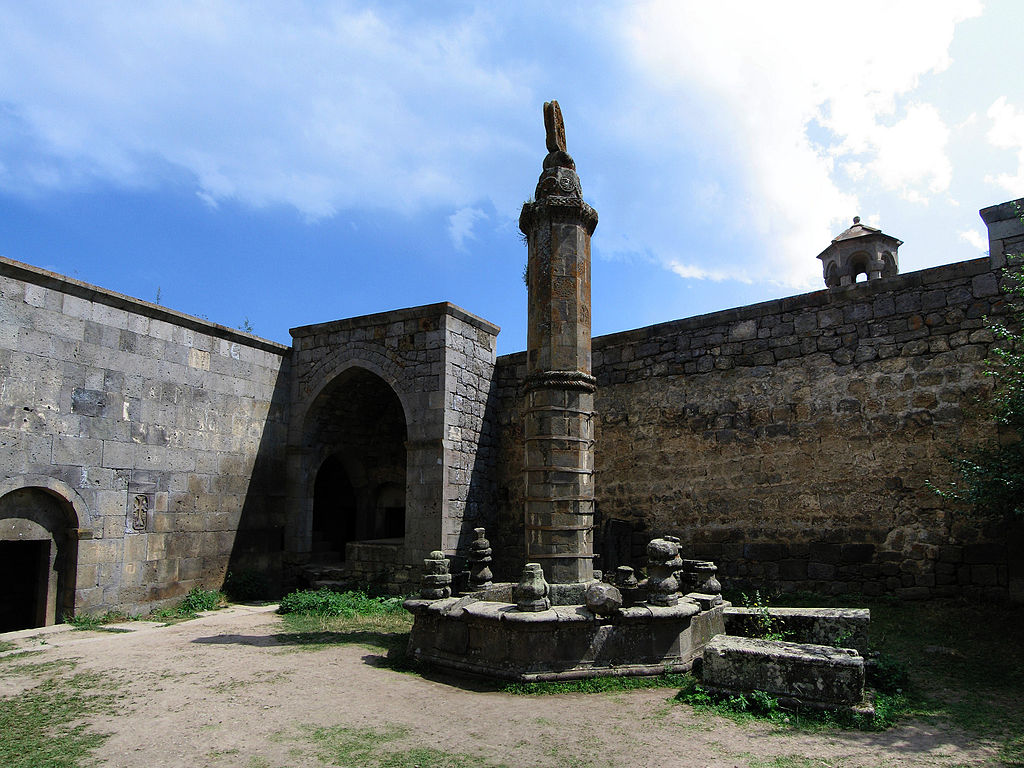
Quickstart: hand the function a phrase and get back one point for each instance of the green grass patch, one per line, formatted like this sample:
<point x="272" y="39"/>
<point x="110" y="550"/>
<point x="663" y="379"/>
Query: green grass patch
<point x="326" y="602"/>
<point x="598" y="684"/>
<point x="792" y="761"/>
<point x="386" y="632"/>
<point x="320" y="618"/>
<point x="94" y="622"/>
<point x="7" y="646"/>
<point x="197" y="599"/>
<point x="42" y="726"/>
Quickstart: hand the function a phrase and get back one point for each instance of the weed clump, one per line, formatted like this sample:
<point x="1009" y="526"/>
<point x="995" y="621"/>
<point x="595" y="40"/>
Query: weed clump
<point x="763" y="706"/>
<point x="326" y="602"/>
<point x="199" y="599"/>
<point x="599" y="684"/>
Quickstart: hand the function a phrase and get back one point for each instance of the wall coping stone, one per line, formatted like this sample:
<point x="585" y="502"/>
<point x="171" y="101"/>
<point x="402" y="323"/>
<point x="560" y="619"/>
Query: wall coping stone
<point x="392" y="316"/>
<point x="814" y="300"/>
<point x="1002" y="211"/>
<point x="88" y="292"/>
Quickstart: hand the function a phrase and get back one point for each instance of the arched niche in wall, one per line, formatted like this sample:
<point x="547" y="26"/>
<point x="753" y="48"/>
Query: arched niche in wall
<point x="859" y="263"/>
<point x="889" y="268"/>
<point x="355" y="435"/>
<point x="832" y="275"/>
<point x="38" y="555"/>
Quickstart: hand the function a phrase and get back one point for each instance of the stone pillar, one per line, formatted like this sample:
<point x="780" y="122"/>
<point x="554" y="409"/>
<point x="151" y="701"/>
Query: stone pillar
<point x="1005" y="223"/>
<point x="559" y="388"/>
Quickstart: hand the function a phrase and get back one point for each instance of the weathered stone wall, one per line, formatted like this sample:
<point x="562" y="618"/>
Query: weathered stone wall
<point x="792" y="441"/>
<point x="469" y="428"/>
<point x="163" y="433"/>
<point x="438" y="359"/>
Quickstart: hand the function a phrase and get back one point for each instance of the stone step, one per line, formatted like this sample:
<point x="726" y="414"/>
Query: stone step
<point x="819" y="676"/>
<point x="838" y="627"/>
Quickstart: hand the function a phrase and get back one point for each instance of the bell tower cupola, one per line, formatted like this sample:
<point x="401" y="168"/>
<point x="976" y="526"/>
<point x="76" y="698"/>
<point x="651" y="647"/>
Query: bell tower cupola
<point x="860" y="250"/>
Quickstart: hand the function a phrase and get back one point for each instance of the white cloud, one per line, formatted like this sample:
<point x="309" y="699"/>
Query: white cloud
<point x="794" y="90"/>
<point x="691" y="271"/>
<point x="974" y="238"/>
<point x="460" y="225"/>
<point x="910" y="156"/>
<point x="1007" y="132"/>
<point x="319" y="107"/>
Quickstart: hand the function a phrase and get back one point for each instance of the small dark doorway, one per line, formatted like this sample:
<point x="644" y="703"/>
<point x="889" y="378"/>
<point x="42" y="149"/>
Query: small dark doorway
<point x="24" y="572"/>
<point x="334" y="509"/>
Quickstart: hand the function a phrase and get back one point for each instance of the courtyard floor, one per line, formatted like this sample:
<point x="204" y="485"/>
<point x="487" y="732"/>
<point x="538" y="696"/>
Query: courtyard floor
<point x="235" y="688"/>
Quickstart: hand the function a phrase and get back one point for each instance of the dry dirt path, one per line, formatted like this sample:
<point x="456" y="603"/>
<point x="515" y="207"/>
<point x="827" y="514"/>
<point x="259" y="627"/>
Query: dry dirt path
<point x="223" y="691"/>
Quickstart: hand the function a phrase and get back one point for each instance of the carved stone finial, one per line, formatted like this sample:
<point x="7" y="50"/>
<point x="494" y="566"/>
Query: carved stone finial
<point x="554" y="126"/>
<point x="480" y="561"/>
<point x="554" y="129"/>
<point x="662" y="562"/>
<point x="436" y="583"/>
<point x="531" y="593"/>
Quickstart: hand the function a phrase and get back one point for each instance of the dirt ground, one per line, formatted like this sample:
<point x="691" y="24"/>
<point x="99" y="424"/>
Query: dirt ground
<point x="222" y="690"/>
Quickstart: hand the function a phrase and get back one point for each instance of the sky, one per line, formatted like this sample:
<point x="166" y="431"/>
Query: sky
<point x="275" y="164"/>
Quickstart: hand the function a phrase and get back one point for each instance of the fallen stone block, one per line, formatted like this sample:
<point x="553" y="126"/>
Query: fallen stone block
<point x="795" y="673"/>
<point x="839" y="627"/>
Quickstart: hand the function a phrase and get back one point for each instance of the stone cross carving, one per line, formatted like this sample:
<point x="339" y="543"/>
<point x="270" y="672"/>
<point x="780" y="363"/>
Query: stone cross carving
<point x="554" y="127"/>
<point x="140" y="512"/>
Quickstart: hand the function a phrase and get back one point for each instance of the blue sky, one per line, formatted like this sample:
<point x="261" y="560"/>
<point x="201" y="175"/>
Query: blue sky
<point x="298" y="162"/>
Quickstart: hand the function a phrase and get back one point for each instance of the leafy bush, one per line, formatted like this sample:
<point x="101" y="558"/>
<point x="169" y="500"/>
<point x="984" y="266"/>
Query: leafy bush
<point x="246" y="585"/>
<point x="199" y="599"/>
<point x="992" y="474"/>
<point x="326" y="602"/>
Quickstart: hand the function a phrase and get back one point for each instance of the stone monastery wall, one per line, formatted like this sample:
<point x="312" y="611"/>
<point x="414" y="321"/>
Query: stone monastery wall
<point x="791" y="441"/>
<point x="160" y="437"/>
<point x="144" y="452"/>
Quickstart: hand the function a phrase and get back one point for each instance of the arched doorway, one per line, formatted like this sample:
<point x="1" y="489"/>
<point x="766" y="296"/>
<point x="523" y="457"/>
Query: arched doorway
<point x="356" y="435"/>
<point x="38" y="558"/>
<point x="335" y="509"/>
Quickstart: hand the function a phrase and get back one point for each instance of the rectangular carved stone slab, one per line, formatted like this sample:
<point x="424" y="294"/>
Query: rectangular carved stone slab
<point x="841" y="627"/>
<point x="814" y="675"/>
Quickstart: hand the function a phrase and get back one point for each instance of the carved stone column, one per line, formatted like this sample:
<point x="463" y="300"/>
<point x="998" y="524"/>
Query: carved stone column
<point x="559" y="390"/>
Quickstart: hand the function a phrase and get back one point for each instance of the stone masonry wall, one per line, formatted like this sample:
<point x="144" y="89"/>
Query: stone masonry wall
<point x="469" y="429"/>
<point x="438" y="359"/>
<point x="792" y="441"/>
<point x="165" y="431"/>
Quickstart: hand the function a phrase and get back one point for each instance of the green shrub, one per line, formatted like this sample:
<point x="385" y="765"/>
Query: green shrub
<point x="326" y="602"/>
<point x="199" y="599"/>
<point x="246" y="585"/>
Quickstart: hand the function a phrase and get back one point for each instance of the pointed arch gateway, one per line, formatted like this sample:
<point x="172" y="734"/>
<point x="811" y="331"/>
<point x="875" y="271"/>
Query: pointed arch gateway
<point x="355" y="440"/>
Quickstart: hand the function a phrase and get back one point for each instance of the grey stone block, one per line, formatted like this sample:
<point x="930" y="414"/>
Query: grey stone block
<point x="814" y="675"/>
<point x="840" y="627"/>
